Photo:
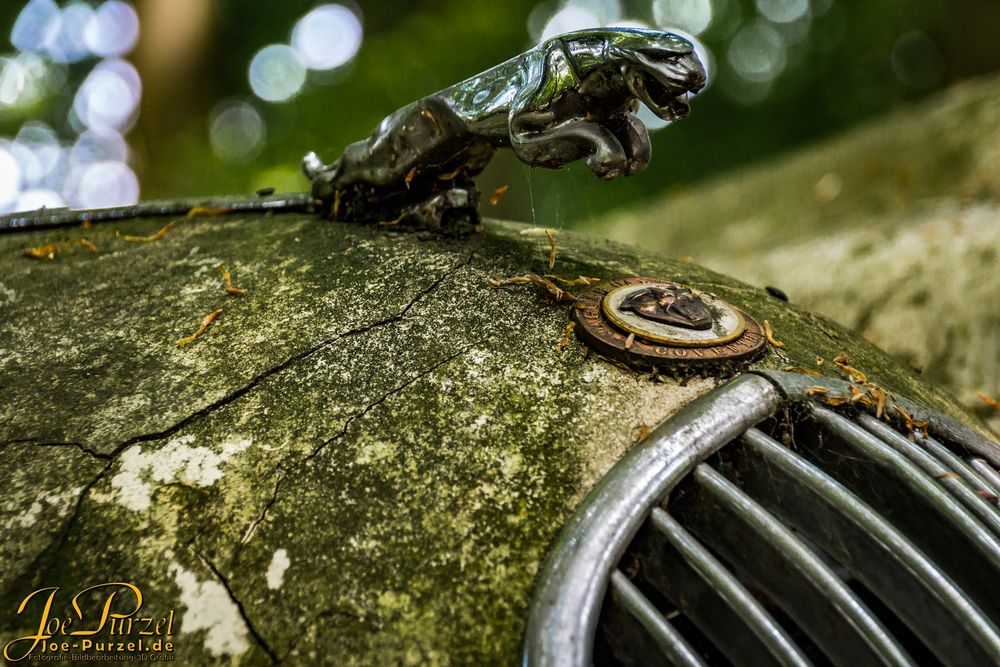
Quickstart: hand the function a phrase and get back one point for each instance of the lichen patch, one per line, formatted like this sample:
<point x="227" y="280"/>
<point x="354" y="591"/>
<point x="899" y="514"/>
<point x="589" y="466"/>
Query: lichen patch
<point x="207" y="606"/>
<point x="276" y="570"/>
<point x="178" y="460"/>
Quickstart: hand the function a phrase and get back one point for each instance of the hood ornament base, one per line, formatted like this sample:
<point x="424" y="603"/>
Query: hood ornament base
<point x="649" y="323"/>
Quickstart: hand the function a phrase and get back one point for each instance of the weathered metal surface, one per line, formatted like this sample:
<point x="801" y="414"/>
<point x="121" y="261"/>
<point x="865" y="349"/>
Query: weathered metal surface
<point x="370" y="441"/>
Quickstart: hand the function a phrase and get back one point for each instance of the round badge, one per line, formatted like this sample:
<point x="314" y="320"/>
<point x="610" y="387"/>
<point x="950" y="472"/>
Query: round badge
<point x="656" y="323"/>
<point x="638" y="309"/>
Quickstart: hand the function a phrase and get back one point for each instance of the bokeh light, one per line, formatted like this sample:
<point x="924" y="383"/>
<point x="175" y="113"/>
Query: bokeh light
<point x="795" y="32"/>
<point x="236" y="132"/>
<point x="329" y="36"/>
<point x="550" y="19"/>
<point x="606" y="11"/>
<point x="100" y="145"/>
<point x="783" y="11"/>
<point x="568" y="19"/>
<point x="277" y="73"/>
<point x="39" y="168"/>
<point x="113" y="29"/>
<point x="692" y="16"/>
<point x="757" y="52"/>
<point x="22" y="80"/>
<point x="650" y="119"/>
<point x="916" y="60"/>
<point x="31" y="200"/>
<point x="70" y="45"/>
<point x="41" y="156"/>
<point x="104" y="184"/>
<point x="68" y="65"/>
<point x="29" y="166"/>
<point x="36" y="26"/>
<point x="10" y="178"/>
<point x="109" y="96"/>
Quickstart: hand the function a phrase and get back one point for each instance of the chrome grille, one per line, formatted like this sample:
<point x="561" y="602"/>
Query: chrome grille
<point x="758" y="527"/>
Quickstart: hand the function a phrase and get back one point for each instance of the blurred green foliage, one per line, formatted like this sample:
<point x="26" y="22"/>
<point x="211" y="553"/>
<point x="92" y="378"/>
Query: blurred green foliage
<point x="844" y="69"/>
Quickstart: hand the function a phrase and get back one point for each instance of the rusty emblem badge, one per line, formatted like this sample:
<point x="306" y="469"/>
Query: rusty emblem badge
<point x="658" y="324"/>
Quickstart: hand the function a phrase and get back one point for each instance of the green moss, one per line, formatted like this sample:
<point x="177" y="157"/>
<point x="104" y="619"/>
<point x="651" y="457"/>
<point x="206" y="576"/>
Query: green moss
<point x="408" y="436"/>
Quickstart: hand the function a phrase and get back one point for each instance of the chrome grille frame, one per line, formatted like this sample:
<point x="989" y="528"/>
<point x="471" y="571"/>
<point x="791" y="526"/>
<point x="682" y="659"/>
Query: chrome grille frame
<point x="750" y="542"/>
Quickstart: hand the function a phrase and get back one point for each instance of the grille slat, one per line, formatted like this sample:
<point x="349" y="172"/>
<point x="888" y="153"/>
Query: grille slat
<point x="764" y="551"/>
<point x="683" y="571"/>
<point x="985" y="511"/>
<point x="864" y="542"/>
<point x="957" y="465"/>
<point x="659" y="638"/>
<point x="937" y="523"/>
<point x="989" y="473"/>
<point x="574" y="577"/>
<point x="771" y="530"/>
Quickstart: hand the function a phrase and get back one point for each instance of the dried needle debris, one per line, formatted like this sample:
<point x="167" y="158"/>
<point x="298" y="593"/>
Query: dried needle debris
<point x="868" y="394"/>
<point x="859" y="396"/>
<point x="498" y="194"/>
<point x="82" y="242"/>
<point x="392" y="223"/>
<point x="854" y="373"/>
<point x="986" y="495"/>
<point x="880" y="399"/>
<point x="50" y="250"/>
<point x="206" y="211"/>
<point x="769" y="333"/>
<point x="201" y="329"/>
<point x="863" y="392"/>
<point x="800" y="369"/>
<point x="451" y="174"/>
<point x="988" y="400"/>
<point x="235" y="291"/>
<point x="641" y="433"/>
<point x="552" y="291"/>
<point x="564" y="342"/>
<point x="336" y="203"/>
<point x="42" y="252"/>
<point x="572" y="282"/>
<point x="156" y="236"/>
<point x="552" y="249"/>
<point x="911" y="424"/>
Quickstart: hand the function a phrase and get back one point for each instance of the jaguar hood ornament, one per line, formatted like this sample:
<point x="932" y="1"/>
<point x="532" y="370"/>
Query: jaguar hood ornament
<point x="660" y="73"/>
<point x="571" y="97"/>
